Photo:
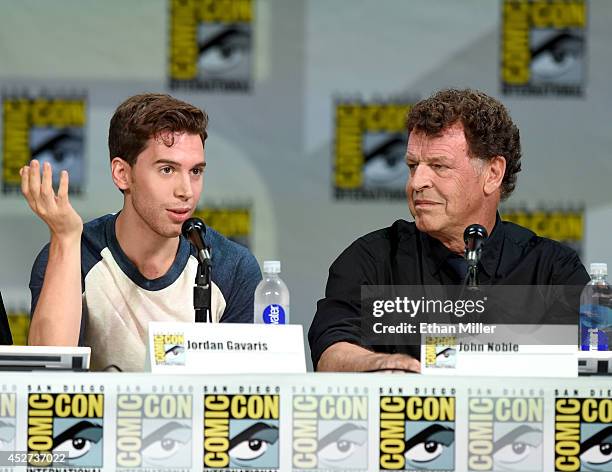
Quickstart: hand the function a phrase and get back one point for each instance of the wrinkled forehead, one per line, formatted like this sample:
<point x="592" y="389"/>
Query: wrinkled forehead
<point x="450" y="142"/>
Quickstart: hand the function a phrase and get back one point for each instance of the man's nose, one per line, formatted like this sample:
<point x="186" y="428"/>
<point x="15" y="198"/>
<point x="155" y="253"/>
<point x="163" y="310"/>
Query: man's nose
<point x="420" y="178"/>
<point x="183" y="187"/>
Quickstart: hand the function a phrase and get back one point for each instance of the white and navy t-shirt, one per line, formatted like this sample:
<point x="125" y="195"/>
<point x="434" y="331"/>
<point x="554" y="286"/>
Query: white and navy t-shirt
<point x="118" y="301"/>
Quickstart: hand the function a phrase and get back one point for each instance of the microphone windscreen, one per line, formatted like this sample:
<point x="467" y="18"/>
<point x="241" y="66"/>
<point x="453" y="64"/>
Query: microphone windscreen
<point x="474" y="231"/>
<point x="193" y="224"/>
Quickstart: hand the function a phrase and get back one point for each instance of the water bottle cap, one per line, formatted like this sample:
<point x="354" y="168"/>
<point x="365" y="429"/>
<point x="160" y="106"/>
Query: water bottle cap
<point x="271" y="267"/>
<point x="599" y="268"/>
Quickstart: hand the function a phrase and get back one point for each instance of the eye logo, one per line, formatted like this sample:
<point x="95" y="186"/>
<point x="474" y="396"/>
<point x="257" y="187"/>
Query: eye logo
<point x="7" y="421"/>
<point x="169" y="349"/>
<point x="370" y="148"/>
<point x="211" y="45"/>
<point x="505" y="433"/>
<point x="50" y="129"/>
<point x="441" y="351"/>
<point x="330" y="432"/>
<point x="241" y="432"/>
<point x="154" y="431"/>
<point x="71" y="424"/>
<point x="417" y="433"/>
<point x="583" y="434"/>
<point x="543" y="47"/>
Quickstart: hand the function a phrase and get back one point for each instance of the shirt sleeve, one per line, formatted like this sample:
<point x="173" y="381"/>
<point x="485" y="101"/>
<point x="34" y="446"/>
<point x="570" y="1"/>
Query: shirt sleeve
<point x="247" y="275"/>
<point x="338" y="316"/>
<point x="569" y="278"/>
<point x="37" y="277"/>
<point x="568" y="269"/>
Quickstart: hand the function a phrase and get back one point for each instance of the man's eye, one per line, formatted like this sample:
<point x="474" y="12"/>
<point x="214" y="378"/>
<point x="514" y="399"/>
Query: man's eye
<point x="412" y="167"/>
<point x="166" y="170"/>
<point x="198" y="171"/>
<point x="437" y="166"/>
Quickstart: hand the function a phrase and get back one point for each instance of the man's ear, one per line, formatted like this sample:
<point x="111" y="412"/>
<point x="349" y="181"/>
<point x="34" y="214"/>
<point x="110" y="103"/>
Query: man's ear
<point x="494" y="174"/>
<point x="121" y="173"/>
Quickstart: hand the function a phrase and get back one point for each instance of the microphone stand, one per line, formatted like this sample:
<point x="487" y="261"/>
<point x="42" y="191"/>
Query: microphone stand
<point x="202" y="289"/>
<point x="471" y="278"/>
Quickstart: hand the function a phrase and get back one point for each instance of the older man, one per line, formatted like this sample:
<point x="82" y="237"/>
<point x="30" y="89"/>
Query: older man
<point x="464" y="154"/>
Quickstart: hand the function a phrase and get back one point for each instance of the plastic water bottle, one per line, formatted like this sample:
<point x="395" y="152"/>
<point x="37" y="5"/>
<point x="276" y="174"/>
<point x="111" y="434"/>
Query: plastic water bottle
<point x="596" y="311"/>
<point x="271" y="296"/>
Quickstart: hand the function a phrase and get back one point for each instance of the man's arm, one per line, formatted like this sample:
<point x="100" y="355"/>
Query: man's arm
<point x="343" y="356"/>
<point x="56" y="318"/>
<point x="335" y="336"/>
<point x="246" y="277"/>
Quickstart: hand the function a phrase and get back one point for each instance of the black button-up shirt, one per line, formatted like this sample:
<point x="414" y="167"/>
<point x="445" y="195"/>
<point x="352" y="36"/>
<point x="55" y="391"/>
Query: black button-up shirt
<point x="402" y="255"/>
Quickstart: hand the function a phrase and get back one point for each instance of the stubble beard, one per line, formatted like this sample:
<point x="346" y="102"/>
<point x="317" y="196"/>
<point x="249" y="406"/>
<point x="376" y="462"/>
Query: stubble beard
<point x="153" y="219"/>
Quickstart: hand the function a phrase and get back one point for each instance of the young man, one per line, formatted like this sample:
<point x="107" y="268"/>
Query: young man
<point x="99" y="284"/>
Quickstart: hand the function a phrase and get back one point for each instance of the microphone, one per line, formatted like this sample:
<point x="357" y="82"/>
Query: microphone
<point x="194" y="230"/>
<point x="474" y="237"/>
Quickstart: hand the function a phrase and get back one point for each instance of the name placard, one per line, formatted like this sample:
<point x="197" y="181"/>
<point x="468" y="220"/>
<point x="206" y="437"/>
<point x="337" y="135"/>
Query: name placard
<point x="225" y="348"/>
<point x="520" y="351"/>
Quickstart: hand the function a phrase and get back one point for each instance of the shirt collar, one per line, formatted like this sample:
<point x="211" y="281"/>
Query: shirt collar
<point x="437" y="253"/>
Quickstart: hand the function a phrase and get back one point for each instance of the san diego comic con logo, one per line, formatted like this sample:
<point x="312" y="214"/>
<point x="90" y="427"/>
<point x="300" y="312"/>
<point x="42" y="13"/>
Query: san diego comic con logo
<point x="169" y="349"/>
<point x="211" y="45"/>
<point x="241" y="432"/>
<point x="563" y="225"/>
<point x="441" y="351"/>
<point x="7" y="421"/>
<point x="505" y="433"/>
<point x="583" y="434"/>
<point x="154" y="431"/>
<point x="330" y="432"/>
<point x="68" y="423"/>
<point x="47" y="128"/>
<point x="233" y="222"/>
<point x="417" y="433"/>
<point x="543" y="47"/>
<point x="369" y="150"/>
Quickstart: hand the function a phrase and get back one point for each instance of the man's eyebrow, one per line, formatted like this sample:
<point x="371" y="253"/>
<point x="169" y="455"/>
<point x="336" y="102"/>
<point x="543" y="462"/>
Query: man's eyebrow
<point x="409" y="157"/>
<point x="176" y="163"/>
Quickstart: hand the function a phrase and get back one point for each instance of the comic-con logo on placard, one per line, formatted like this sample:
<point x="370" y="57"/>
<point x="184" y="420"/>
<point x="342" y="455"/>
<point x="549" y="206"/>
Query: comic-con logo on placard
<point x="441" y="351"/>
<point x="563" y="225"/>
<point x="543" y="47"/>
<point x="66" y="425"/>
<point x="417" y="433"/>
<point x="241" y="432"/>
<point x="8" y="410"/>
<point x="330" y="432"/>
<point x="583" y="434"/>
<point x="369" y="150"/>
<point x="505" y="433"/>
<point x="50" y="129"/>
<point x="169" y="348"/>
<point x="154" y="432"/>
<point x="233" y="222"/>
<point x="211" y="45"/>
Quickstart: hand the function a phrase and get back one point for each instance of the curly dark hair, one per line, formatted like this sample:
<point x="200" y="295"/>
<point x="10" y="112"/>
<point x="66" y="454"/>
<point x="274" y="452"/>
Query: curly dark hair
<point x="152" y="115"/>
<point x="489" y="130"/>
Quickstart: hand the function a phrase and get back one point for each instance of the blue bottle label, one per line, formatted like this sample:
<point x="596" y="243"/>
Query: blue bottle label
<point x="274" y="314"/>
<point x="595" y="319"/>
